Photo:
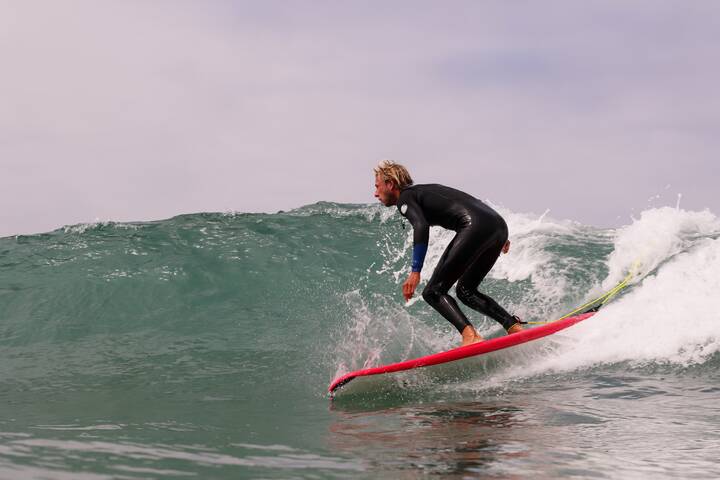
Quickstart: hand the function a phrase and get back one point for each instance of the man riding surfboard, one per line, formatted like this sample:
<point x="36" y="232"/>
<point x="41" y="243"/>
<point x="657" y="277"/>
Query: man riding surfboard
<point x="481" y="234"/>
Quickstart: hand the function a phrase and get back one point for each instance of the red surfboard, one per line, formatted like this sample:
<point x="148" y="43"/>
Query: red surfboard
<point x="460" y="353"/>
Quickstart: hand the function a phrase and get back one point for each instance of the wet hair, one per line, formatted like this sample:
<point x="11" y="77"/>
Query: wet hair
<point x="394" y="172"/>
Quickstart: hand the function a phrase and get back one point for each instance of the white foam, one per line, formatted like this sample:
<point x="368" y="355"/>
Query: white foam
<point x="528" y="258"/>
<point x="81" y="228"/>
<point x="670" y="317"/>
<point x="659" y="234"/>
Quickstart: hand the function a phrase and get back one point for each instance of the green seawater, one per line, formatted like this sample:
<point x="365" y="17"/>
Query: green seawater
<point x="202" y="347"/>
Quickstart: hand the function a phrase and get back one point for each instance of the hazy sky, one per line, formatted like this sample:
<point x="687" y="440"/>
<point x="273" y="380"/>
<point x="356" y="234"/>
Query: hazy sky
<point x="140" y="110"/>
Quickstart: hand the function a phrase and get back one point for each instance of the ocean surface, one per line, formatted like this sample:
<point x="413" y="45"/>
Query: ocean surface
<point x="202" y="347"/>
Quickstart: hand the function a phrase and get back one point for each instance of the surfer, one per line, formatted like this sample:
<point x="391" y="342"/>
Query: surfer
<point x="481" y="234"/>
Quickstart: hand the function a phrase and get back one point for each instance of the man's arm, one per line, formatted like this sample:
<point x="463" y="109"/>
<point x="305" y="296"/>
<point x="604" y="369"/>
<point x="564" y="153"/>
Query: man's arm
<point x="410" y="209"/>
<point x="421" y="234"/>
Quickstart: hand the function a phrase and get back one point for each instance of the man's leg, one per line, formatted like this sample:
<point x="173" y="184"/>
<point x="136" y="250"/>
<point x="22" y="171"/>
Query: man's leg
<point x="469" y="281"/>
<point x="435" y="292"/>
<point x="460" y="253"/>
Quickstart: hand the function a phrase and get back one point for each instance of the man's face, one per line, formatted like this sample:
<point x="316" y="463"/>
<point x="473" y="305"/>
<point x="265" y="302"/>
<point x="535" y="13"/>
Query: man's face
<point x="384" y="192"/>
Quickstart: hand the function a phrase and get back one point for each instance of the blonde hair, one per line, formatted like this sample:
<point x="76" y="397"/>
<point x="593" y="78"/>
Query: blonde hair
<point x="394" y="172"/>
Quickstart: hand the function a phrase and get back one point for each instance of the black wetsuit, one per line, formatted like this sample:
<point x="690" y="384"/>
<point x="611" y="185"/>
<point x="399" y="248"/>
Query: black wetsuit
<point x="481" y="235"/>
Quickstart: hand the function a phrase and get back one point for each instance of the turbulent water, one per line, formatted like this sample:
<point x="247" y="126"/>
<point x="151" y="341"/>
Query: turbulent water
<point x="202" y="346"/>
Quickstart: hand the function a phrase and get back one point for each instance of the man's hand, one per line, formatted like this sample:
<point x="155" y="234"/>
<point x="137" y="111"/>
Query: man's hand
<point x="506" y="247"/>
<point x="410" y="285"/>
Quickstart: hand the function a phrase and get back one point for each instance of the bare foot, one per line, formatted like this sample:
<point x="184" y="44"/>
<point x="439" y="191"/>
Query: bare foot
<point x="515" y="328"/>
<point x="470" y="336"/>
<point x="470" y="341"/>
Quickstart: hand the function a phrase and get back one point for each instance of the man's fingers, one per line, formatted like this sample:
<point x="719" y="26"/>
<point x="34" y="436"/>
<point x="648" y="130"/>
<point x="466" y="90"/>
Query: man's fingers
<point x="407" y="290"/>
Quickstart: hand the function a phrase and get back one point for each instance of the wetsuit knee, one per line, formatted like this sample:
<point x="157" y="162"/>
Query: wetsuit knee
<point x="445" y="304"/>
<point x="431" y="294"/>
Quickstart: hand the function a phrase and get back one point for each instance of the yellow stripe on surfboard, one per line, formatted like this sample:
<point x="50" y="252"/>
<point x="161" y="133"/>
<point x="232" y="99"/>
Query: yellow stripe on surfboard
<point x="602" y="299"/>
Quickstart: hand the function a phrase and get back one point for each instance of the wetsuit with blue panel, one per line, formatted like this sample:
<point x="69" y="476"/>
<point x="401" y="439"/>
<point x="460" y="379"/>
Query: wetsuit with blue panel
<point x="480" y="236"/>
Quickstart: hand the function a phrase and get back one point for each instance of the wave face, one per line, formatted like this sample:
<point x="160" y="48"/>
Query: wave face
<point x="211" y="321"/>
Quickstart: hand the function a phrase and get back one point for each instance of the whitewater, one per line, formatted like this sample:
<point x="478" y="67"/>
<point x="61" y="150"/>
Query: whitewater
<point x="202" y="346"/>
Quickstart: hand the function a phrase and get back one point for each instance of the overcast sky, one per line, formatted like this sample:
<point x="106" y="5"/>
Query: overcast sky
<point x="141" y="110"/>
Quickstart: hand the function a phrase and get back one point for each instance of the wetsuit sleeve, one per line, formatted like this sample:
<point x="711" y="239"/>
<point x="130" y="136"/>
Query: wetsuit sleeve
<point x="410" y="209"/>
